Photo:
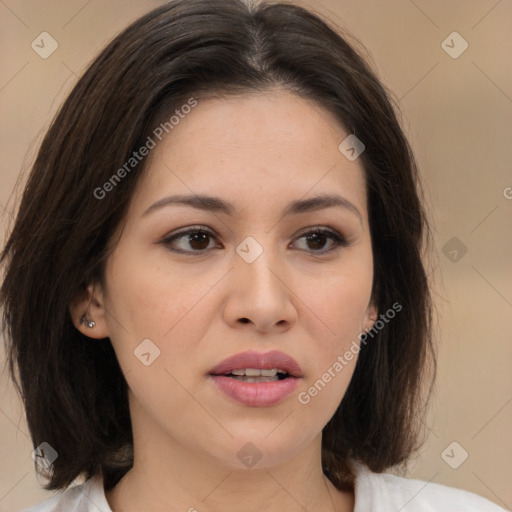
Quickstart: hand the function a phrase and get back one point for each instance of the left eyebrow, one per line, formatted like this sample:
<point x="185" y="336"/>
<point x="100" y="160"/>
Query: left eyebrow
<point x="216" y="204"/>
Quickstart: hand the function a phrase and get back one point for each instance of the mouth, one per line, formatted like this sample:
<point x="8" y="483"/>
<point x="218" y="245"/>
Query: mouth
<point x="257" y="379"/>
<point x="263" y="367"/>
<point x="258" y="375"/>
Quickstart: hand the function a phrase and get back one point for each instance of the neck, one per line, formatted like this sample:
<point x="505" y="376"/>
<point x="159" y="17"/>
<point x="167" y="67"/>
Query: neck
<point x="166" y="476"/>
<point x="269" y="490"/>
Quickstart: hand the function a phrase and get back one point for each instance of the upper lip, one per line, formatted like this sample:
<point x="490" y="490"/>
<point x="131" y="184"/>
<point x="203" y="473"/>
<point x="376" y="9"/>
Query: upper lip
<point x="258" y="360"/>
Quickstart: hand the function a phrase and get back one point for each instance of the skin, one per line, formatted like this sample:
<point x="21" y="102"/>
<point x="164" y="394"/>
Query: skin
<point x="259" y="152"/>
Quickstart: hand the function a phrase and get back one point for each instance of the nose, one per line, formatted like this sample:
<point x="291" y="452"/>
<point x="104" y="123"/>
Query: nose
<point x="261" y="295"/>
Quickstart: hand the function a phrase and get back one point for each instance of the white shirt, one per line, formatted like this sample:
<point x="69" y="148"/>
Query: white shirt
<point x="374" y="492"/>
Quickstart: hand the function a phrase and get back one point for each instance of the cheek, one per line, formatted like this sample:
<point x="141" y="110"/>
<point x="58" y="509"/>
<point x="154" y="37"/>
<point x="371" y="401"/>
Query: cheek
<point x="148" y="300"/>
<point x="337" y="310"/>
<point x="167" y="307"/>
<point x="340" y="300"/>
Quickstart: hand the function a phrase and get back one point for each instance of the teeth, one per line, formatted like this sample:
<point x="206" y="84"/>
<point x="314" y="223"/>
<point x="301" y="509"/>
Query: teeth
<point x="254" y="372"/>
<point x="260" y="378"/>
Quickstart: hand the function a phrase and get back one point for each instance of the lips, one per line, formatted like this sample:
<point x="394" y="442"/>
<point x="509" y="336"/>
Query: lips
<point x="255" y="379"/>
<point x="259" y="361"/>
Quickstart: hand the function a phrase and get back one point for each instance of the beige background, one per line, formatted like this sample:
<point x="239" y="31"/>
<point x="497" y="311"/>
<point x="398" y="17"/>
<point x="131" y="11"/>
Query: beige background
<point x="458" y="115"/>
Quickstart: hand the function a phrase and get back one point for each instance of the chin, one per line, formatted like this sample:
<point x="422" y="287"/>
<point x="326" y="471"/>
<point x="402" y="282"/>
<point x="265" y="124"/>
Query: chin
<point x="257" y="449"/>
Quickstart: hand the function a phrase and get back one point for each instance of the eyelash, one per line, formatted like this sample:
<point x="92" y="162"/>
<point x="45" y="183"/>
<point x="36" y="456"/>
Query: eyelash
<point x="339" y="240"/>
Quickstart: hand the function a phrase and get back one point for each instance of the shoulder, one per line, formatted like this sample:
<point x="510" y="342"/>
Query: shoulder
<point x="384" y="492"/>
<point x="86" y="497"/>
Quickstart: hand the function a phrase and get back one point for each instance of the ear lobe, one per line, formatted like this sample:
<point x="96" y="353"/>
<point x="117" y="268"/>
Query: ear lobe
<point x="88" y="312"/>
<point x="370" y="317"/>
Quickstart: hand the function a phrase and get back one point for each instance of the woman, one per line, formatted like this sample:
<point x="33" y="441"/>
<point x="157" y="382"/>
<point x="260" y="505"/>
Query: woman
<point x="214" y="290"/>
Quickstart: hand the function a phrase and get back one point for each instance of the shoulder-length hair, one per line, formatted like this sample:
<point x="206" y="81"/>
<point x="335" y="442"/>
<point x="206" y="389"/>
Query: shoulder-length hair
<point x="73" y="390"/>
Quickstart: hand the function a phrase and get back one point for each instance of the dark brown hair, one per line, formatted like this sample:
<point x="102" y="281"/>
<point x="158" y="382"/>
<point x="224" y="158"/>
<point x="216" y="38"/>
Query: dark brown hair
<point x="74" y="391"/>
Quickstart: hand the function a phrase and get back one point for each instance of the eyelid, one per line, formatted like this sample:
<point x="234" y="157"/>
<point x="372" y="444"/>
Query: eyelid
<point x="188" y="229"/>
<point x="318" y="227"/>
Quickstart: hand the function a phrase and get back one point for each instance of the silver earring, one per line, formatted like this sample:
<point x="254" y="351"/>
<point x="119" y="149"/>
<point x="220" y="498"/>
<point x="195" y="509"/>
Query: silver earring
<point x="88" y="323"/>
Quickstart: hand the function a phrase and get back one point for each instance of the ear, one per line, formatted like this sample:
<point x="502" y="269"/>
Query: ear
<point x="370" y="317"/>
<point x="89" y="302"/>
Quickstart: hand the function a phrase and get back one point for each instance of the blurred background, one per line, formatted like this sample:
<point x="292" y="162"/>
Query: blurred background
<point x="446" y="64"/>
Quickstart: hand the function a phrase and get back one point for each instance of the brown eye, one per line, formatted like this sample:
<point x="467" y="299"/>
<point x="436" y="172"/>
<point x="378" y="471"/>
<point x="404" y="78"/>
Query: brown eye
<point x="316" y="240"/>
<point x="190" y="241"/>
<point x="197" y="240"/>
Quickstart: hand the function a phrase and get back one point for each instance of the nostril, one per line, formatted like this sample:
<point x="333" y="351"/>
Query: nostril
<point x="244" y="320"/>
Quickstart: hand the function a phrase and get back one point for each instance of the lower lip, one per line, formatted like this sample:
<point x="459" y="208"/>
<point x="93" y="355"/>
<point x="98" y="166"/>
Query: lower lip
<point x="256" y="394"/>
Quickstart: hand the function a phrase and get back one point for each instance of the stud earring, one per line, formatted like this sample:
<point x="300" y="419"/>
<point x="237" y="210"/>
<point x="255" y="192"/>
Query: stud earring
<point x="88" y="323"/>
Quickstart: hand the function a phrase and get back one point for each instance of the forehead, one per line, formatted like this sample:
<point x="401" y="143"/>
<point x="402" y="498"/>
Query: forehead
<point x="272" y="145"/>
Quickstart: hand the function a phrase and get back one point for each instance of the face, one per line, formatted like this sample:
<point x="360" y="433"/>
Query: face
<point x="192" y="284"/>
